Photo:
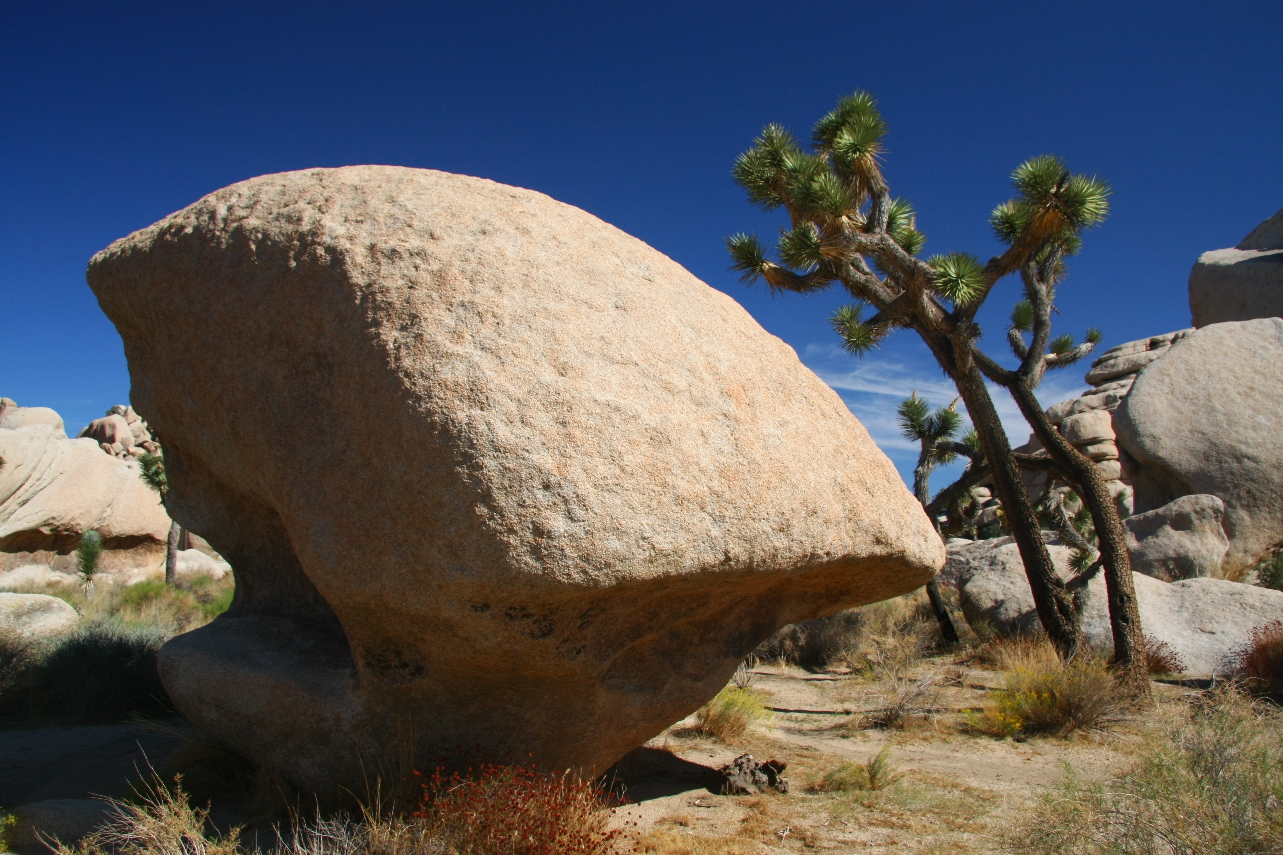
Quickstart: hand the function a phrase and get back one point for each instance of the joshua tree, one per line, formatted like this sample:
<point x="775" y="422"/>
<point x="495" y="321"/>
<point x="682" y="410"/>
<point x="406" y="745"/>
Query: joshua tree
<point x="153" y="474"/>
<point x="934" y="432"/>
<point x="847" y="229"/>
<point x="88" y="552"/>
<point x="1040" y="273"/>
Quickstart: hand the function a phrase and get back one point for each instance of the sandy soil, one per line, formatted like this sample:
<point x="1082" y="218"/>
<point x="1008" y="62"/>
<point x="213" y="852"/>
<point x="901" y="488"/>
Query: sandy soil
<point x="957" y="792"/>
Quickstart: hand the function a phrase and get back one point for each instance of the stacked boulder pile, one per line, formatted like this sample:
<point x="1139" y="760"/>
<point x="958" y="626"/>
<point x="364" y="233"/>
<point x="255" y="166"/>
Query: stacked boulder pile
<point x="1087" y="421"/>
<point x="1187" y="428"/>
<point x="121" y="433"/>
<point x="54" y="489"/>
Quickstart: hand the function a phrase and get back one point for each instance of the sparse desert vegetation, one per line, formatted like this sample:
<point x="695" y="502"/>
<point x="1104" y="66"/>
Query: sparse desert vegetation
<point x="105" y="670"/>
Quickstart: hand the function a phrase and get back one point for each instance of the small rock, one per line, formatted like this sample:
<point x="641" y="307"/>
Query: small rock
<point x="1103" y="450"/>
<point x="67" y="820"/>
<point x="33" y="576"/>
<point x="1103" y="401"/>
<point x="1120" y="366"/>
<point x="1087" y="428"/>
<point x="1110" y="470"/>
<point x="745" y="776"/>
<point x="33" y="617"/>
<point x="112" y="433"/>
<point x="193" y="563"/>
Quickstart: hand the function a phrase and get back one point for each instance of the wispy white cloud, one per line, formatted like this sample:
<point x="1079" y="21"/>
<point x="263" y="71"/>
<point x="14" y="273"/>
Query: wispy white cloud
<point x="872" y="388"/>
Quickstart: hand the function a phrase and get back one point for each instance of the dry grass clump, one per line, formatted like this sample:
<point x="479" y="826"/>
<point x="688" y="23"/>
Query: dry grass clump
<point x="1161" y="658"/>
<point x="161" y="822"/>
<point x="728" y="716"/>
<point x="874" y="774"/>
<point x="512" y="810"/>
<point x="1053" y="698"/>
<point x="1025" y="652"/>
<point x="493" y="810"/>
<point x="844" y="638"/>
<point x="1260" y="662"/>
<point x="1207" y="785"/>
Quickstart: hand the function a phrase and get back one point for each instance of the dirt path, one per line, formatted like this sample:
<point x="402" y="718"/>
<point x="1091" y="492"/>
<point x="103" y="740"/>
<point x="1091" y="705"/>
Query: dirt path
<point x="956" y="791"/>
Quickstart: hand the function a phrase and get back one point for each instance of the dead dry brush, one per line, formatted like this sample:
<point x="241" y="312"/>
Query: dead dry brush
<point x="1209" y="784"/>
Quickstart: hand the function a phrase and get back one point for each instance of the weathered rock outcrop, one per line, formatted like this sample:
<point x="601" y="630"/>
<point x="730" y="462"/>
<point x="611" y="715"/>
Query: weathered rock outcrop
<point x="14" y="417"/>
<point x="993" y="590"/>
<point x="504" y="476"/>
<point x="1201" y="620"/>
<point x="1183" y="539"/>
<point x="1242" y="283"/>
<point x="53" y="490"/>
<point x="1087" y="421"/>
<point x="121" y="433"/>
<point x="1208" y="418"/>
<point x="34" y="617"/>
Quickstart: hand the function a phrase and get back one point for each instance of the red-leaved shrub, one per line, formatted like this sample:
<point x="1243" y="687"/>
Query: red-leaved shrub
<point x="514" y="810"/>
<point x="1260" y="662"/>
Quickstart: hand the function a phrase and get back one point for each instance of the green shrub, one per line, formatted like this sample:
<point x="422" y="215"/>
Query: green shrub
<point x="728" y="716"/>
<point x="1209" y="785"/>
<point x="88" y="554"/>
<point x="1269" y="573"/>
<point x="100" y="673"/>
<point x="1051" y="698"/>
<point x="874" y="774"/>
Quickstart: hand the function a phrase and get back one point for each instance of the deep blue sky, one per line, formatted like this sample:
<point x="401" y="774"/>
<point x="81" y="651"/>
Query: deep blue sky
<point x="113" y="115"/>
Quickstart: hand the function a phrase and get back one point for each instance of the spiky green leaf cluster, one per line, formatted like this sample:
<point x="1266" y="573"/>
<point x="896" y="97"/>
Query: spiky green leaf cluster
<point x="799" y="248"/>
<point x="762" y="169"/>
<point x="960" y="277"/>
<point x="748" y="256"/>
<point x="88" y="553"/>
<point x="152" y="471"/>
<point x="902" y="222"/>
<point x="1053" y="205"/>
<point x="918" y="422"/>
<point x="1061" y="344"/>
<point x="858" y="336"/>
<point x="1022" y="316"/>
<point x="851" y="136"/>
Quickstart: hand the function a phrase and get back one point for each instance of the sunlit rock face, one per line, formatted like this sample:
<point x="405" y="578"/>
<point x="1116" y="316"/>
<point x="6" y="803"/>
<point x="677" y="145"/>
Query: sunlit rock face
<point x="493" y="476"/>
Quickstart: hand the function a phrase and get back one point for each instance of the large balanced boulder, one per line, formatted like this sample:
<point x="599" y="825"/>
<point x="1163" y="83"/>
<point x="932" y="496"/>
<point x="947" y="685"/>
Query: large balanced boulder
<point x="53" y="490"/>
<point x="503" y="482"/>
<point x="1242" y="283"/>
<point x="1184" y="539"/>
<point x="1208" y="418"/>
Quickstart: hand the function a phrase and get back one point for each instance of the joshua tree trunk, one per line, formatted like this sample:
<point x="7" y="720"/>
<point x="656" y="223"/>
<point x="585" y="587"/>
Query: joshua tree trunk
<point x="171" y="553"/>
<point x="922" y="489"/>
<point x="1053" y="601"/>
<point x="1124" y="614"/>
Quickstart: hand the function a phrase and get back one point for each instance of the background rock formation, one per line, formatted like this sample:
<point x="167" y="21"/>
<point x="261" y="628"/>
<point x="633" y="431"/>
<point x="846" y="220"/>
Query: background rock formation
<point x="53" y="490"/>
<point x="1206" y="418"/>
<point x="499" y="470"/>
<point x="1242" y="283"/>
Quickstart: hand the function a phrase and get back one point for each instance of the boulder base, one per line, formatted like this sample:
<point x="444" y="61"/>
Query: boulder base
<point x="503" y="480"/>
